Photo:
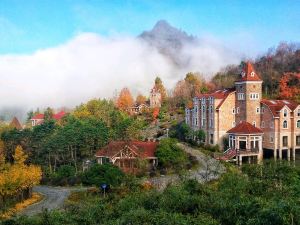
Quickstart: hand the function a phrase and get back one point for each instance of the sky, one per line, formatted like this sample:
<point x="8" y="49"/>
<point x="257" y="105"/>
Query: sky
<point x="26" y="26"/>
<point x="64" y="52"/>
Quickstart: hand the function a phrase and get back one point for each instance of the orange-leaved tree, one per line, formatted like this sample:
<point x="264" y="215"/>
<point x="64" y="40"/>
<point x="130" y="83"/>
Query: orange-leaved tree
<point x="125" y="99"/>
<point x="289" y="86"/>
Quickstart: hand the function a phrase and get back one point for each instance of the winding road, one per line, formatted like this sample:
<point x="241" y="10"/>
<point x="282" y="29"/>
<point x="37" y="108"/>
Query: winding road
<point x="54" y="198"/>
<point x="209" y="169"/>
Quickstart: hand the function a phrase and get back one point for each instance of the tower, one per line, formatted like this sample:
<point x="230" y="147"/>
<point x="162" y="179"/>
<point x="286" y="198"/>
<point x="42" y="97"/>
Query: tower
<point x="248" y="96"/>
<point x="155" y="98"/>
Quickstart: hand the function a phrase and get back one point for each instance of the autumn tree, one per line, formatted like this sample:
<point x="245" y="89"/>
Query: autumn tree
<point x="140" y="99"/>
<point x="125" y="99"/>
<point x="195" y="83"/>
<point x="158" y="84"/>
<point x="289" y="86"/>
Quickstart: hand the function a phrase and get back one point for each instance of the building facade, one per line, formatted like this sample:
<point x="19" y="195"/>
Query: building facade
<point x="252" y="125"/>
<point x="155" y="98"/>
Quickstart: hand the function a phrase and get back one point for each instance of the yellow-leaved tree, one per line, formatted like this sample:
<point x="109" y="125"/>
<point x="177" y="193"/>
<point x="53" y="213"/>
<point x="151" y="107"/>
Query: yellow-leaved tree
<point x="17" y="178"/>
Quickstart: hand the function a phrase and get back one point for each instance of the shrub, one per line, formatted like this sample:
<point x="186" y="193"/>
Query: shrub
<point x="170" y="155"/>
<point x="106" y="173"/>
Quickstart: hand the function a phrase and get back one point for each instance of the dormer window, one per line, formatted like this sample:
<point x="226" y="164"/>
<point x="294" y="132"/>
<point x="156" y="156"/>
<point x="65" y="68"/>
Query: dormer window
<point x="252" y="74"/>
<point x="285" y="113"/>
<point x="243" y="74"/>
<point x="285" y="124"/>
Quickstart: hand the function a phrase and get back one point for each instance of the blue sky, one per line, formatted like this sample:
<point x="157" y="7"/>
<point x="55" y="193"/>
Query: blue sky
<point x="27" y="26"/>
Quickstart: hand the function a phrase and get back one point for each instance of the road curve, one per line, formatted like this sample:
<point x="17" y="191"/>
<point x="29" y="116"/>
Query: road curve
<point x="209" y="169"/>
<point x="53" y="198"/>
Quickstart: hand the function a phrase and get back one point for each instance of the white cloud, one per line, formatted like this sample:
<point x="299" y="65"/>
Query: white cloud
<point x="90" y="66"/>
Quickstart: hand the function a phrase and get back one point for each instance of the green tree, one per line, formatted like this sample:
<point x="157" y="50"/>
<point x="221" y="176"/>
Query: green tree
<point x="106" y="173"/>
<point x="170" y="155"/>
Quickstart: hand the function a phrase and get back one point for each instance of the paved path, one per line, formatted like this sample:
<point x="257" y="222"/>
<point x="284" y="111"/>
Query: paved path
<point x="54" y="198"/>
<point x="209" y="169"/>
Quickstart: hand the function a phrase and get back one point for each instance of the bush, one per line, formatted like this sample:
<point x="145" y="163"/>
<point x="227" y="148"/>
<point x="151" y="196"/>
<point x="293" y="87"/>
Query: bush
<point x="170" y="155"/>
<point x="106" y="173"/>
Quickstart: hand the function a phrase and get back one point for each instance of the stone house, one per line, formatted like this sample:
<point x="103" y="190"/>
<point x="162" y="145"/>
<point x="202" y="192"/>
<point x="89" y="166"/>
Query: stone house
<point x="253" y="126"/>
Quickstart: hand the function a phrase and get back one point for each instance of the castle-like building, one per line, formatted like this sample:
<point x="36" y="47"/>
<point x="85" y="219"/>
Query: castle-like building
<point x="253" y="126"/>
<point x="155" y="98"/>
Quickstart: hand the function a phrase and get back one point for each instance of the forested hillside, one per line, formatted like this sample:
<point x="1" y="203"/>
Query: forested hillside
<point x="271" y="66"/>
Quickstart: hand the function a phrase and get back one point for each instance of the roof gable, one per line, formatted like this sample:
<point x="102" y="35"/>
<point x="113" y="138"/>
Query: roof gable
<point x="245" y="128"/>
<point x="15" y="123"/>
<point x="248" y="73"/>
<point x="138" y="148"/>
<point x="276" y="106"/>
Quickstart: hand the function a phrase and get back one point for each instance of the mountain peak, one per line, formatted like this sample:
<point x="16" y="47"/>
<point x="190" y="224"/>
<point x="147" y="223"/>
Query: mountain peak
<point x="167" y="39"/>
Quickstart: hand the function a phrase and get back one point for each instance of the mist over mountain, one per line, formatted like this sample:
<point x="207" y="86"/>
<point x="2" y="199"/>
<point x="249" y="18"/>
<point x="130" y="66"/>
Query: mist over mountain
<point x="169" y="40"/>
<point x="94" y="66"/>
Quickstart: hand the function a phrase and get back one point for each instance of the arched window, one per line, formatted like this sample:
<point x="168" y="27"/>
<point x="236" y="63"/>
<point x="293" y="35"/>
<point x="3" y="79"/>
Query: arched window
<point x="298" y="124"/>
<point x="285" y="124"/>
<point x="285" y="113"/>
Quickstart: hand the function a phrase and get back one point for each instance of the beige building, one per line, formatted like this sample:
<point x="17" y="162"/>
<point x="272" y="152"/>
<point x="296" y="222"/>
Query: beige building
<point x="155" y="98"/>
<point x="253" y="126"/>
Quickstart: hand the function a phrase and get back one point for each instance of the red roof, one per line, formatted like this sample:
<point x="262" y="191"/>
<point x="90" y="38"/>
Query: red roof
<point x="56" y="116"/>
<point x="59" y="115"/>
<point x="218" y="94"/>
<point x="249" y="74"/>
<point x="38" y="117"/>
<point x="276" y="105"/>
<point x="245" y="128"/>
<point x="141" y="148"/>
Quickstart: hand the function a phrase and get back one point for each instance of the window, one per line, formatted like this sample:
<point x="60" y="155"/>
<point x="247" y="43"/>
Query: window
<point x="252" y="74"/>
<point x="257" y="110"/>
<point x="285" y="124"/>
<point x="298" y="114"/>
<point x="298" y="140"/>
<point x="254" y="123"/>
<point x="285" y="113"/>
<point x="203" y="122"/>
<point x="262" y="124"/>
<point x="271" y="138"/>
<point x="298" y="124"/>
<point x="196" y="121"/>
<point x="237" y="110"/>
<point x="203" y="110"/>
<point x="196" y="109"/>
<point x="254" y="96"/>
<point x="211" y="138"/>
<point x="285" y="141"/>
<point x="233" y="110"/>
<point x="241" y="96"/>
<point x="272" y="124"/>
<point x="262" y="110"/>
<point x="210" y="123"/>
<point x="233" y="124"/>
<point x="211" y="109"/>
